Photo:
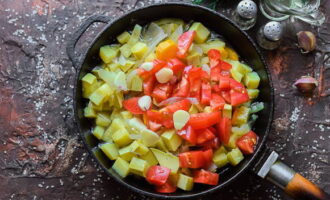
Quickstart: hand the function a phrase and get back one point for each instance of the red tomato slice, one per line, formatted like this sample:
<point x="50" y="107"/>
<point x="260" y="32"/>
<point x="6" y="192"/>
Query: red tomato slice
<point x="176" y="65"/>
<point x="154" y="126"/>
<point x="226" y="96"/>
<point x="224" y="129"/>
<point x="204" y="135"/>
<point x="204" y="120"/>
<point x="162" y="91"/>
<point x="192" y="159"/>
<point x="214" y="57"/>
<point x="132" y="105"/>
<point x="158" y="175"/>
<point x="148" y="85"/>
<point x="217" y="102"/>
<point x="195" y="88"/>
<point x="247" y="142"/>
<point x="184" y="42"/>
<point x="237" y="98"/>
<point x="208" y="155"/>
<point x="216" y="89"/>
<point x="215" y="73"/>
<point x="211" y="144"/>
<point x="206" y="93"/>
<point x="225" y="66"/>
<point x="182" y="88"/>
<point x="179" y="105"/>
<point x="188" y="134"/>
<point x="224" y="83"/>
<point x="160" y="118"/>
<point x="206" y="177"/>
<point x="166" y="188"/>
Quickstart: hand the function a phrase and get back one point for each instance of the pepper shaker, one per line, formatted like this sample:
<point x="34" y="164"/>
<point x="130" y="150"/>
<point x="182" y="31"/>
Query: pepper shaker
<point x="269" y="36"/>
<point x="245" y="14"/>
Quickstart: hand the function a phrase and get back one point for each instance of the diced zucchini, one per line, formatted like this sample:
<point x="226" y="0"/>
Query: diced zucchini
<point x="202" y="33"/>
<point x="150" y="158"/>
<point x="121" y="137"/>
<point x="232" y="141"/>
<point x="148" y="137"/>
<point x="256" y="107"/>
<point x="98" y="132"/>
<point x="139" y="148"/>
<point x="193" y="109"/>
<point x="120" y="81"/>
<point x="185" y="182"/>
<point x="241" y="115"/>
<point x="135" y="36"/>
<point x="103" y="119"/>
<point x="113" y="66"/>
<point x="138" y="166"/>
<point x="108" y="53"/>
<point x="136" y="84"/>
<point x="121" y="167"/>
<point x="227" y="111"/>
<point x="117" y="123"/>
<point x="235" y="156"/>
<point x="161" y="145"/>
<point x="166" y="159"/>
<point x="194" y="59"/>
<point x="124" y="37"/>
<point x="89" y="84"/>
<point x="220" y="157"/>
<point x="251" y="80"/>
<point x="236" y="74"/>
<point x="126" y="114"/>
<point x="128" y="65"/>
<point x="253" y="93"/>
<point x="214" y="44"/>
<point x="126" y="154"/>
<point x="171" y="139"/>
<point x="139" y="49"/>
<point x="169" y="21"/>
<point x="101" y="94"/>
<point x="89" y="112"/>
<point x="125" y="50"/>
<point x="108" y="77"/>
<point x="241" y="130"/>
<point x="110" y="150"/>
<point x="118" y="99"/>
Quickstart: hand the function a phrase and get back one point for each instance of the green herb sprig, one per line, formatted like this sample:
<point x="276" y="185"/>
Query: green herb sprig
<point x="209" y="3"/>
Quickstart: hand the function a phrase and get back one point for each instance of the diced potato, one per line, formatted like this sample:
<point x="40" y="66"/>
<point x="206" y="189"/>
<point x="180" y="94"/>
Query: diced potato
<point x="138" y="166"/>
<point x="166" y="159"/>
<point x="150" y="158"/>
<point x="103" y="119"/>
<point x="117" y="123"/>
<point x="126" y="114"/>
<point x="148" y="137"/>
<point x="185" y="182"/>
<point x="232" y="55"/>
<point x="124" y="37"/>
<point x="120" y="81"/>
<point x="89" y="112"/>
<point x="101" y="94"/>
<point x="150" y="57"/>
<point x="128" y="65"/>
<point x="98" y="132"/>
<point x="121" y="167"/>
<point x="193" y="109"/>
<point x="121" y="137"/>
<point x="125" y="50"/>
<point x="236" y="74"/>
<point x="240" y="131"/>
<point x="161" y="145"/>
<point x="202" y="33"/>
<point x="113" y="66"/>
<point x="166" y="50"/>
<point x="194" y="59"/>
<point x="136" y="84"/>
<point x="135" y="36"/>
<point x="138" y="148"/>
<point x="139" y="49"/>
<point x="241" y="115"/>
<point x="227" y="111"/>
<point x="110" y="150"/>
<point x="89" y="84"/>
<point x="253" y="93"/>
<point x="171" y="139"/>
<point x="108" y="53"/>
<point x="235" y="156"/>
<point x="118" y="99"/>
<point x="220" y="157"/>
<point x="251" y="80"/>
<point x="213" y="44"/>
<point x="126" y="154"/>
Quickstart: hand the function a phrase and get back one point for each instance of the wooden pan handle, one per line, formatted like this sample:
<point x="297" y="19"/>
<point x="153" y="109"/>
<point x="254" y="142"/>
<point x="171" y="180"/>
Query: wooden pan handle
<point x="294" y="184"/>
<point x="301" y="188"/>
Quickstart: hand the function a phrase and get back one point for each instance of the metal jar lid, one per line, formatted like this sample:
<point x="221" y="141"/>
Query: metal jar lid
<point x="273" y="31"/>
<point x="247" y="9"/>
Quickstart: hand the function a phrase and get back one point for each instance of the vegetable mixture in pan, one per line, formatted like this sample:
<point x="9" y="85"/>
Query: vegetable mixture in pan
<point x="172" y="104"/>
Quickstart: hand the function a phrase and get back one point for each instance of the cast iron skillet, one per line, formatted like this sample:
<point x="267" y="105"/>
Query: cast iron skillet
<point x="216" y="22"/>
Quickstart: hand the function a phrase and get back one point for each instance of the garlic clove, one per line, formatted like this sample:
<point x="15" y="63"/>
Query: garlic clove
<point x="164" y="75"/>
<point x="147" y="66"/>
<point x="144" y="102"/>
<point x="306" y="41"/>
<point x="306" y="84"/>
<point x="180" y="119"/>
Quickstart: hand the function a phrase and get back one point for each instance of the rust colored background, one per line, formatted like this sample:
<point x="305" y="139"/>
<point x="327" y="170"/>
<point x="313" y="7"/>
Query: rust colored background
<point x="41" y="155"/>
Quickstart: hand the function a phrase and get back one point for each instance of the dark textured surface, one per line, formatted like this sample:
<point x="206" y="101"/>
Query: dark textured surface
<point x="41" y="156"/>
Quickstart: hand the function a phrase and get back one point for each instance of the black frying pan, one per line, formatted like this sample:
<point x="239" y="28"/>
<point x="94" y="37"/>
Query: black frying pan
<point x="264" y="163"/>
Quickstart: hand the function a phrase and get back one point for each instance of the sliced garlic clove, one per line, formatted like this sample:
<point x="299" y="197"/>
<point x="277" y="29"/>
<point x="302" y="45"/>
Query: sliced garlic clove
<point x="144" y="102"/>
<point x="180" y="119"/>
<point x="164" y="75"/>
<point x="147" y="66"/>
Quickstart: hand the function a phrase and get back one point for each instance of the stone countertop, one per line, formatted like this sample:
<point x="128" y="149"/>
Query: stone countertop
<point x="41" y="155"/>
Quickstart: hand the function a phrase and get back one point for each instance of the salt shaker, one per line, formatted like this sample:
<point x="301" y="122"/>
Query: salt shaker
<point x="269" y="36"/>
<point x="245" y="14"/>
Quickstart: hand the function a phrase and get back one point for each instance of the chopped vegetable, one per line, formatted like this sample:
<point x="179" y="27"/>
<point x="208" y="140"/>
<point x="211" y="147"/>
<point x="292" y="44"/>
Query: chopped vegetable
<point x="202" y="33"/>
<point x="184" y="43"/>
<point x="158" y="175"/>
<point x="247" y="142"/>
<point x="185" y="182"/>
<point x="206" y="177"/>
<point x="166" y="50"/>
<point x="121" y="167"/>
